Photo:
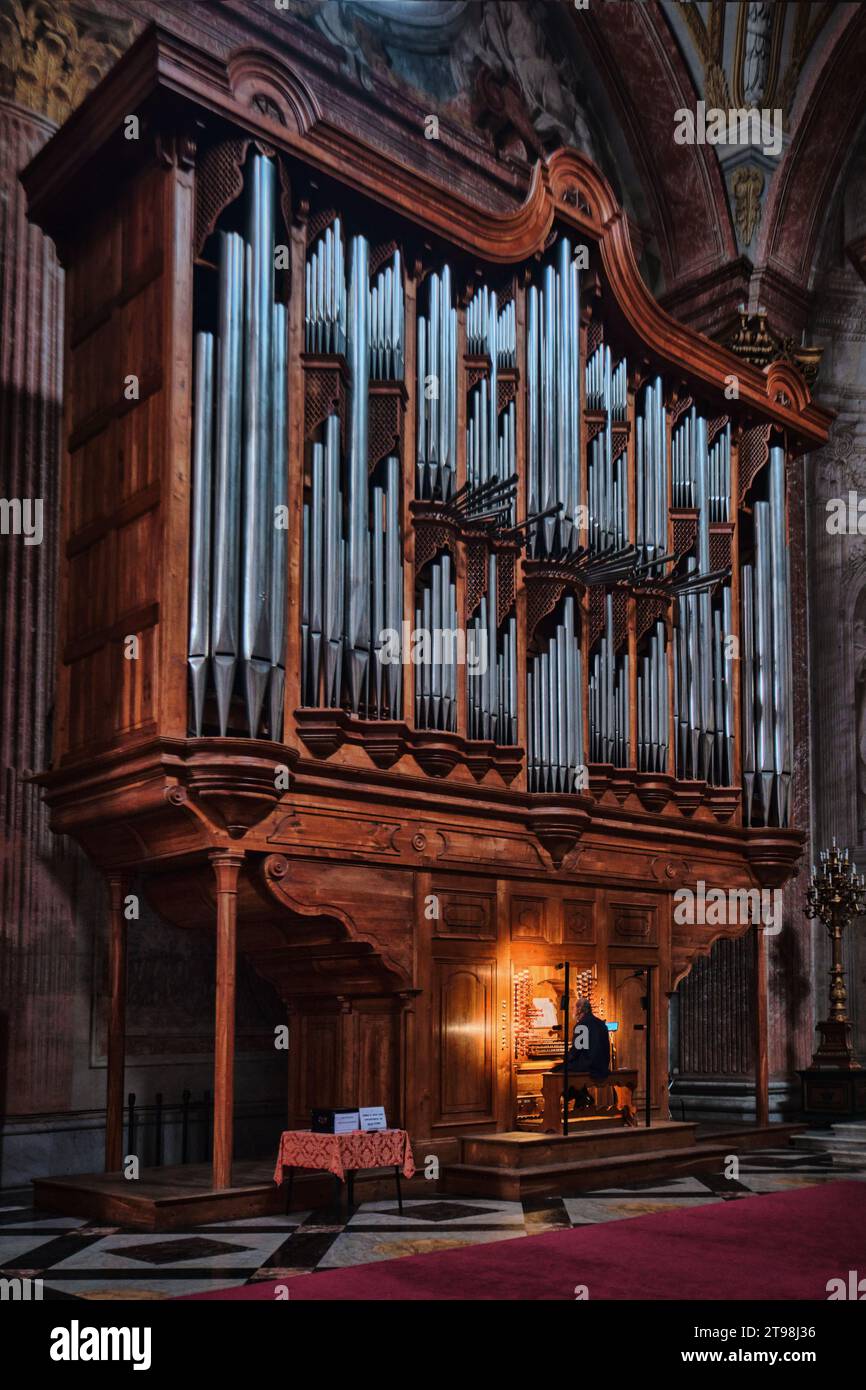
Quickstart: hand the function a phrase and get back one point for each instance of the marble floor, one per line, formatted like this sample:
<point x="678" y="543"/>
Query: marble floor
<point x="79" y="1260"/>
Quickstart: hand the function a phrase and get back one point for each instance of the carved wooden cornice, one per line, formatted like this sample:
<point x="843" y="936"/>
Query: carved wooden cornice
<point x="192" y="796"/>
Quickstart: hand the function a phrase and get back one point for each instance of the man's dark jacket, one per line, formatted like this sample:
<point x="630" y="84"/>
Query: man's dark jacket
<point x="595" y="1058"/>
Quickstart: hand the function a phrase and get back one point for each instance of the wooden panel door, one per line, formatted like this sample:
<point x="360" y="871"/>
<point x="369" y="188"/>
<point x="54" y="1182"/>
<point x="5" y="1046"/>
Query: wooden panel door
<point x="465" y="1089"/>
<point x="314" y="1078"/>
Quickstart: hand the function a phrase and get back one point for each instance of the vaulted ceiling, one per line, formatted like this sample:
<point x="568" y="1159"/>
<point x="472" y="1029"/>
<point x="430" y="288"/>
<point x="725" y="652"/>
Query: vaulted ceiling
<point x="714" y="225"/>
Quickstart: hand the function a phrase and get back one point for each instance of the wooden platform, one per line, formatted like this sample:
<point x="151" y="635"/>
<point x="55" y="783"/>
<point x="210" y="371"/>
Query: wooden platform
<point x="507" y="1166"/>
<point x="170" y="1199"/>
<point x="519" y="1164"/>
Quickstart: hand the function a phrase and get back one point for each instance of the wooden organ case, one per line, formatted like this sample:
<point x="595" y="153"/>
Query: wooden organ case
<point x="319" y="404"/>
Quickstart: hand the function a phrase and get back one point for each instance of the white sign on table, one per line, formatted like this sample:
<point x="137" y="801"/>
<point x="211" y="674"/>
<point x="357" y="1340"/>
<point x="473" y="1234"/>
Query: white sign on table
<point x="372" y="1118"/>
<point x="346" y="1122"/>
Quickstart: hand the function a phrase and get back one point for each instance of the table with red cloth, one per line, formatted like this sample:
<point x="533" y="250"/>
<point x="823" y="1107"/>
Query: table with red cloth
<point x="344" y="1154"/>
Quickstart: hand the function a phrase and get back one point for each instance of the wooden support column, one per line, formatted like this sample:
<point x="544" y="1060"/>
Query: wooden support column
<point x="762" y="1065"/>
<point x="406" y="1029"/>
<point x="116" y="1025"/>
<point x="226" y="864"/>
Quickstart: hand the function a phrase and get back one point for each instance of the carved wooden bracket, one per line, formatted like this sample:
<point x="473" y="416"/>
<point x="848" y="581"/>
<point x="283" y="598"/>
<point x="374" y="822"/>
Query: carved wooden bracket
<point x="556" y="827"/>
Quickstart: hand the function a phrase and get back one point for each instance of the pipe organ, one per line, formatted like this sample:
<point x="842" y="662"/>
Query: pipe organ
<point x="613" y="467"/>
<point x="461" y="584"/>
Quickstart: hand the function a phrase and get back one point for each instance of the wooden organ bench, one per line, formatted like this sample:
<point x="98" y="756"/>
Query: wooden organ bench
<point x="614" y="1096"/>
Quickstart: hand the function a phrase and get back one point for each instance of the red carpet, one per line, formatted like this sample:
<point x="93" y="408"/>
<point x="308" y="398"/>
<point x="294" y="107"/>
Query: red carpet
<point x="785" y="1245"/>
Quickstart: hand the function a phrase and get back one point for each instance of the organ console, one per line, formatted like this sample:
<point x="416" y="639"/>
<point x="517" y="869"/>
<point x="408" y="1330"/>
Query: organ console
<point x="460" y="571"/>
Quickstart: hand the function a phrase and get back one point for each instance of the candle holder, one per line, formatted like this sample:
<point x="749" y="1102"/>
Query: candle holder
<point x="836" y="894"/>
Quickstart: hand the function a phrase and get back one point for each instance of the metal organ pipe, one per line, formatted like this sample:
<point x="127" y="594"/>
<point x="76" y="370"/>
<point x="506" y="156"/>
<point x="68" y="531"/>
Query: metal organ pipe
<point x="352" y="562"/>
<point x="553" y="401"/>
<point x="607" y="476"/>
<point x="332" y="550"/>
<point x="199" y="570"/>
<point x="357" y="413"/>
<point x="766" y="702"/>
<point x="491" y="436"/>
<point x="492" y="692"/>
<point x="705" y="629"/>
<point x="437" y="390"/>
<point x="386" y="323"/>
<point x="325" y="285"/>
<point x="651" y="473"/>
<point x="393" y="580"/>
<point x="279" y="518"/>
<point x="257" y="519"/>
<point x="652" y="703"/>
<point x="554" y="708"/>
<point x="704" y="675"/>
<point x="747" y="662"/>
<point x="437" y="625"/>
<point x="237" y="592"/>
<point x="720" y="475"/>
<point x="227" y="473"/>
<point x="779" y="581"/>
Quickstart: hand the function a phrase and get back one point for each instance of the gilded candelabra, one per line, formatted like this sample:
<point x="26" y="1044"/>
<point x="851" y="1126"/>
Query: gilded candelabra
<point x="836" y="894"/>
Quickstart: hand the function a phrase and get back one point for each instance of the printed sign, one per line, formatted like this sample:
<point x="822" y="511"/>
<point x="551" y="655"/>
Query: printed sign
<point x="373" y="1117"/>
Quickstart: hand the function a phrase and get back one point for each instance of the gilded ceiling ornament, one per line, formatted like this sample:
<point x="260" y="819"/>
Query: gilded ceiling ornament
<point x="52" y="55"/>
<point x="758" y="38"/>
<point x="716" y="87"/>
<point x="747" y="187"/>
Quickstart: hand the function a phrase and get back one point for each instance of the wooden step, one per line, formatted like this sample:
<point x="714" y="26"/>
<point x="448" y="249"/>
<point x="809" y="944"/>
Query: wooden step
<point x="561" y="1179"/>
<point x="753" y="1136"/>
<point x="524" y="1149"/>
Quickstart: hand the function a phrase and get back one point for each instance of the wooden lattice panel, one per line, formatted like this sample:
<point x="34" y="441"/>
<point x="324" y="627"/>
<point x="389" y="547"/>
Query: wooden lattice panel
<point x="596" y="615"/>
<point x="319" y="222"/>
<point x="219" y="179"/>
<point x="619" y="443"/>
<point x="620" y="618"/>
<point x="679" y="408"/>
<point x="380" y="255"/>
<point x="506" y="583"/>
<point x="593" y="427"/>
<point x="684" y="532"/>
<point x="594" y="334"/>
<point x="476" y="575"/>
<point x="648" y="611"/>
<point x="542" y="596"/>
<point x="430" y="538"/>
<point x="324" y="393"/>
<point x="506" y="390"/>
<point x="475" y="370"/>
<point x="286" y="209"/>
<point x="714" y="429"/>
<point x="385" y="430"/>
<point x="721" y="544"/>
<point x="754" y="453"/>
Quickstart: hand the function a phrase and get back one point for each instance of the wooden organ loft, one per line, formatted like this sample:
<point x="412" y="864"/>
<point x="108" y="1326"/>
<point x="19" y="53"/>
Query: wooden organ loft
<point x="368" y="408"/>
